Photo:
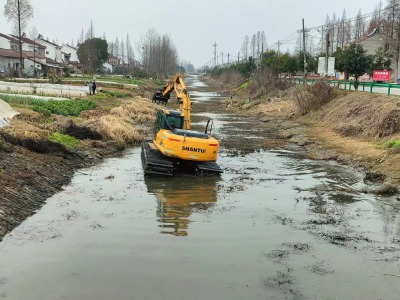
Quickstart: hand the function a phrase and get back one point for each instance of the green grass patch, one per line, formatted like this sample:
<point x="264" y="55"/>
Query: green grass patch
<point x="116" y="94"/>
<point x="393" y="144"/>
<point x="64" y="139"/>
<point x="160" y="83"/>
<point x="244" y="85"/>
<point x="120" y="80"/>
<point x="63" y="107"/>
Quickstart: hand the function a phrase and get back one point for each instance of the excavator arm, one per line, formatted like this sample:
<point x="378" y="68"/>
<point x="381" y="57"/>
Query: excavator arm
<point x="178" y="85"/>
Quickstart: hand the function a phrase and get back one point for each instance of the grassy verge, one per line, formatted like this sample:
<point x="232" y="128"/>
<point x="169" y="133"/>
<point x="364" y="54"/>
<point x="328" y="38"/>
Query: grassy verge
<point x="64" y="139"/>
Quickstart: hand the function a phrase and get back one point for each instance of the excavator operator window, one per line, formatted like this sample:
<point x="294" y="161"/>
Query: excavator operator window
<point x="174" y="122"/>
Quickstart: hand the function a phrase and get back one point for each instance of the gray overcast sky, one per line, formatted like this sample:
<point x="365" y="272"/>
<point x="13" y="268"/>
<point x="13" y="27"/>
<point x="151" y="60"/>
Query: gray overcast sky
<point x="194" y="25"/>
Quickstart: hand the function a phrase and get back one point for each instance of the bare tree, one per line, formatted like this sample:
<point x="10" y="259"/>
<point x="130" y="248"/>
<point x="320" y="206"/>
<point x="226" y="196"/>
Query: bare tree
<point x="258" y="42"/>
<point x="158" y="53"/>
<point x="122" y="49"/>
<point x="264" y="44"/>
<point x="129" y="52"/>
<point x="116" y="47"/>
<point x="111" y="48"/>
<point x="34" y="36"/>
<point x="245" y="46"/>
<point x="19" y="12"/>
<point x="253" y="46"/>
<point x="82" y="37"/>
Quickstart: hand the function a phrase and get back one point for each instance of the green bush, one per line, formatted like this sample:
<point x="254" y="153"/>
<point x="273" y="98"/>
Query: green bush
<point x="65" y="107"/>
<point x="64" y="139"/>
<point x="393" y="144"/>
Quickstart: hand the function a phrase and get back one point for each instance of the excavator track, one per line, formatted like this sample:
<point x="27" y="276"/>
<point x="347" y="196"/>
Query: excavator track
<point x="155" y="163"/>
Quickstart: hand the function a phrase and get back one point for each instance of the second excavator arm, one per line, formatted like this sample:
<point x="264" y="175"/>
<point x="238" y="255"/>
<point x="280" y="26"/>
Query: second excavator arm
<point x="177" y="85"/>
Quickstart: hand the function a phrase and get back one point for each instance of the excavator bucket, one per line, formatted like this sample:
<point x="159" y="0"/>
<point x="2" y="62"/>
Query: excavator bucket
<point x="159" y="98"/>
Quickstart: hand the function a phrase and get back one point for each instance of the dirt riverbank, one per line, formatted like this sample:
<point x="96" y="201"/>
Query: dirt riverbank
<point x="354" y="128"/>
<point x="40" y="152"/>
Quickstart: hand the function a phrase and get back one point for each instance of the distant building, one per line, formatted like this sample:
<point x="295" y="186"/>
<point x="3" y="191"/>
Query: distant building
<point x="109" y="68"/>
<point x="71" y="51"/>
<point x="114" y="60"/>
<point x="30" y="46"/>
<point x="376" y="41"/>
<point x="53" y="51"/>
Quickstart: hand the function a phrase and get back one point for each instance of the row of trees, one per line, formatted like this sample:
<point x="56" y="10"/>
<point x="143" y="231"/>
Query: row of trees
<point x="255" y="46"/>
<point x="122" y="50"/>
<point x="158" y="53"/>
<point x="352" y="60"/>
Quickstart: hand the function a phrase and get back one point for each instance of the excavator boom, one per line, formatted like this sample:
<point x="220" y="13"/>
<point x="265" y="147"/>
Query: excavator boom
<point x="182" y="95"/>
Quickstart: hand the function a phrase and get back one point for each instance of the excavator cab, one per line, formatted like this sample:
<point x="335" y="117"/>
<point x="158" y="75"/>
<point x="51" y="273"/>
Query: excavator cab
<point x="168" y="120"/>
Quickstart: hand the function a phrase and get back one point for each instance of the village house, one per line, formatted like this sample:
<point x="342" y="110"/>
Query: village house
<point x="30" y="45"/>
<point x="108" y="67"/>
<point x="53" y="51"/>
<point x="381" y="41"/>
<point x="113" y="60"/>
<point x="70" y="51"/>
<point x="70" y="58"/>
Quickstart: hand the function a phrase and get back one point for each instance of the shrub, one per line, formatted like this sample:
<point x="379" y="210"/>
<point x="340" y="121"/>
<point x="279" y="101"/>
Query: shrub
<point x="312" y="97"/>
<point x="393" y="144"/>
<point x="267" y="82"/>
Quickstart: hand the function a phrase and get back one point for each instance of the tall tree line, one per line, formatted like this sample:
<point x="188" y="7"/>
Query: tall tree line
<point x="255" y="46"/>
<point x="158" y="53"/>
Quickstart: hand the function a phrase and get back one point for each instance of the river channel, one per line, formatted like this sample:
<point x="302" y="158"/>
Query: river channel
<point x="275" y="225"/>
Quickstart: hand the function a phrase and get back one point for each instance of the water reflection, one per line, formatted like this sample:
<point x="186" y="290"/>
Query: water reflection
<point x="179" y="197"/>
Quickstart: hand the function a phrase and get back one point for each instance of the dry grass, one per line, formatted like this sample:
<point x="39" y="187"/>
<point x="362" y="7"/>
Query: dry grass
<point x="232" y="77"/>
<point x="276" y="107"/>
<point x="124" y="124"/>
<point x="119" y="130"/>
<point x="266" y="82"/>
<point x="140" y="110"/>
<point x="312" y="97"/>
<point x="21" y="129"/>
<point x="28" y="115"/>
<point x="375" y="115"/>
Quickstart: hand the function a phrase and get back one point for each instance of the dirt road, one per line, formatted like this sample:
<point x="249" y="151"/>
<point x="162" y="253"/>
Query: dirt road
<point x="274" y="226"/>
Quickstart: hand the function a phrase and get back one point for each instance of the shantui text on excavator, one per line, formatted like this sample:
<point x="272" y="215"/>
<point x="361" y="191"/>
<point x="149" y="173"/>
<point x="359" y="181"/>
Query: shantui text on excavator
<point x="174" y="146"/>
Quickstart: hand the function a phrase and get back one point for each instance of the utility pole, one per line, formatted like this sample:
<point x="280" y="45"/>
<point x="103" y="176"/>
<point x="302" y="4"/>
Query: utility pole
<point x="215" y="54"/>
<point x="327" y="52"/>
<point x="228" y="59"/>
<point x="305" y="55"/>
<point x="238" y="57"/>
<point x="222" y="56"/>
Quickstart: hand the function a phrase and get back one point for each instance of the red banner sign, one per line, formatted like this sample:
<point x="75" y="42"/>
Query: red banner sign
<point x="382" y="75"/>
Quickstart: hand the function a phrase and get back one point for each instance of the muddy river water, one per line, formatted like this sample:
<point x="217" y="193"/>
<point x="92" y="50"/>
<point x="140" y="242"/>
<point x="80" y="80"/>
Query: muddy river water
<point x="275" y="225"/>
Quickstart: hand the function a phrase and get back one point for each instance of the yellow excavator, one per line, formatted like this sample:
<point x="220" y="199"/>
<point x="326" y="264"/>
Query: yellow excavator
<point x="174" y="145"/>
